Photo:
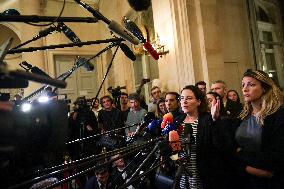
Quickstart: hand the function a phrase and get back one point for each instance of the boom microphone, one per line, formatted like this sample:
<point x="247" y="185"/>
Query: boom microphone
<point x="122" y="32"/>
<point x="134" y="29"/>
<point x="112" y="25"/>
<point x="35" y="69"/>
<point x="69" y="33"/>
<point x="86" y="64"/>
<point x="126" y="50"/>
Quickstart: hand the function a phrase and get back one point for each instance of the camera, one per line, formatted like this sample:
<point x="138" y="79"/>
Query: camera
<point x="81" y="105"/>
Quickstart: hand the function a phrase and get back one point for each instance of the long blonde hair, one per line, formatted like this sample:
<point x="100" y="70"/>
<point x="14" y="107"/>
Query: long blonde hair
<point x="271" y="99"/>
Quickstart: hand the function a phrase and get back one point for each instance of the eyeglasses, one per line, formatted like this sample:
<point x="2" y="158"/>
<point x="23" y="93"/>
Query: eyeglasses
<point x="186" y="98"/>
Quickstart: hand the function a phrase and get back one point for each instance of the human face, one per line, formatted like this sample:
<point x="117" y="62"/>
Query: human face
<point x="119" y="163"/>
<point x="96" y="103"/>
<point x="156" y="93"/>
<point x="103" y="177"/>
<point x="171" y="102"/>
<point x="202" y="88"/>
<point x="219" y="88"/>
<point x="211" y="100"/>
<point x="232" y="95"/>
<point x="123" y="99"/>
<point x="188" y="101"/>
<point x="134" y="105"/>
<point x="252" y="89"/>
<point x="162" y="107"/>
<point x="107" y="103"/>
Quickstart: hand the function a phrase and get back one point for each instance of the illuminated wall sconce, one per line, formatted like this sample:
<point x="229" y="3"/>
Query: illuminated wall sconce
<point x="161" y="50"/>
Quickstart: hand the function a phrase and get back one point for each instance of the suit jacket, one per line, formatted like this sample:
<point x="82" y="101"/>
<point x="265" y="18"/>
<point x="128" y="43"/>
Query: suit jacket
<point x="92" y="183"/>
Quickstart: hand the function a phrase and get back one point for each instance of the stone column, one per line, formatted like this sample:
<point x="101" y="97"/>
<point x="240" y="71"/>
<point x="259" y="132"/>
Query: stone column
<point x="172" y="25"/>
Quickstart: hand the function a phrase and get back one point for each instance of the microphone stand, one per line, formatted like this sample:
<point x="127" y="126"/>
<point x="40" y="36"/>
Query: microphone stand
<point x="142" y="175"/>
<point x="65" y="75"/>
<point x="129" y="149"/>
<point x="36" y="18"/>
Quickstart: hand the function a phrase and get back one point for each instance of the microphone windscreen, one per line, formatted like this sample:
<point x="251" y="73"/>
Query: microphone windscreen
<point x="139" y="5"/>
<point x="126" y="50"/>
<point x="173" y="136"/>
<point x="122" y="32"/>
<point x="151" y="50"/>
<point x="168" y="118"/>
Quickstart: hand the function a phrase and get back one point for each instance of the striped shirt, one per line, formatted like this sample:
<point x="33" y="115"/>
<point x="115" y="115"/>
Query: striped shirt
<point x="189" y="141"/>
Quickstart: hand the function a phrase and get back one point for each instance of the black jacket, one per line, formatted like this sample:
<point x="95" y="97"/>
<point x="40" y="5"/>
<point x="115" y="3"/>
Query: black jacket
<point x="212" y="148"/>
<point x="271" y="157"/>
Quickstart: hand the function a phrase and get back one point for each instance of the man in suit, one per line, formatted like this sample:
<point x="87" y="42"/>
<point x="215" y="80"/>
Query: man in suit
<point x="232" y="108"/>
<point x="100" y="180"/>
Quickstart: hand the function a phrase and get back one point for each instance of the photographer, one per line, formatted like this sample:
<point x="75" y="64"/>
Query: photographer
<point x="82" y="123"/>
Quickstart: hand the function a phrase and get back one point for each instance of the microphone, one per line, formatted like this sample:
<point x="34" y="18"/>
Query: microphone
<point x="35" y="69"/>
<point x="86" y="64"/>
<point x="174" y="144"/>
<point x="167" y="118"/>
<point x="122" y="32"/>
<point x="112" y="25"/>
<point x="69" y="33"/>
<point x="11" y="12"/>
<point x="134" y="29"/>
<point x="126" y="50"/>
<point x="139" y="5"/>
<point x="47" y="31"/>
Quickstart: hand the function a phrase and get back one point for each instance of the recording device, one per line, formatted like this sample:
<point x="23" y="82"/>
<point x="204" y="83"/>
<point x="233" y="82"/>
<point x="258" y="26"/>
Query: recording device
<point x="86" y="64"/>
<point x="81" y="105"/>
<point x="115" y="92"/>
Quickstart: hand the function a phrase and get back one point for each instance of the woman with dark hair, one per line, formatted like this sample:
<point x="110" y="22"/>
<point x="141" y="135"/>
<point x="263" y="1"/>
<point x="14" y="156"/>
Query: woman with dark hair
<point x="161" y="109"/>
<point x="260" y="136"/>
<point x="233" y="95"/>
<point x="205" y="142"/>
<point x="212" y="98"/>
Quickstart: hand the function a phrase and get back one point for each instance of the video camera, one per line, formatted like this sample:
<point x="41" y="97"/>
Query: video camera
<point x="81" y="105"/>
<point x="116" y="92"/>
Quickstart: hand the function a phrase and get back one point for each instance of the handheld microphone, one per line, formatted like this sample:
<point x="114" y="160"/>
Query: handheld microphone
<point x="174" y="144"/>
<point x="126" y="50"/>
<point x="134" y="29"/>
<point x="69" y="33"/>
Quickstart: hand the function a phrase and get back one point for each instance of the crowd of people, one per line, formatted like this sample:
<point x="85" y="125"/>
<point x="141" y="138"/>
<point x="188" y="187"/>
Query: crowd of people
<point x="229" y="140"/>
<point x="234" y="142"/>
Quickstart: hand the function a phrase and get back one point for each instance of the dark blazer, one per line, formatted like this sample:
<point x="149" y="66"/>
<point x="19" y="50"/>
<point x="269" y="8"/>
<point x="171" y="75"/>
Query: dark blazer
<point x="92" y="183"/>
<point x="212" y="148"/>
<point x="232" y="108"/>
<point x="271" y="157"/>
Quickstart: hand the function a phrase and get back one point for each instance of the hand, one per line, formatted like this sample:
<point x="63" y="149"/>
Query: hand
<point x="215" y="110"/>
<point x="259" y="172"/>
<point x="89" y="128"/>
<point x="75" y="115"/>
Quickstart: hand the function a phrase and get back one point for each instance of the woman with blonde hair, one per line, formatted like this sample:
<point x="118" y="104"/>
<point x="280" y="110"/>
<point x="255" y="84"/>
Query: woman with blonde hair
<point x="260" y="136"/>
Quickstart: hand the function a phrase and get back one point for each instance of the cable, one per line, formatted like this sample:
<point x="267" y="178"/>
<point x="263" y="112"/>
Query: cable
<point x="62" y="9"/>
